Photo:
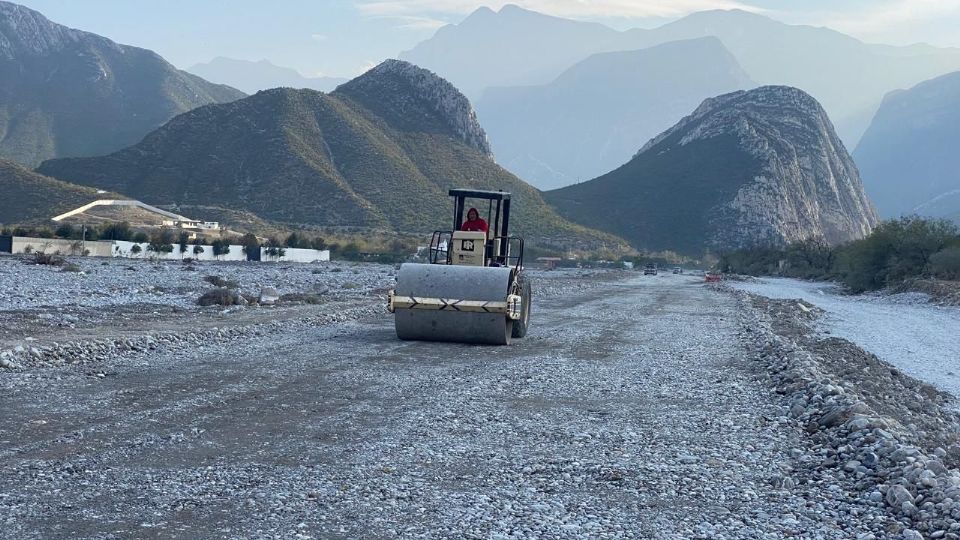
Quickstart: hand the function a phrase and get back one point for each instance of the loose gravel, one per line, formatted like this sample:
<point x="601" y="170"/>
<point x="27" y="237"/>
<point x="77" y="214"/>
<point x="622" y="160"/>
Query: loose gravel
<point x="891" y="438"/>
<point x="635" y="408"/>
<point x="918" y="338"/>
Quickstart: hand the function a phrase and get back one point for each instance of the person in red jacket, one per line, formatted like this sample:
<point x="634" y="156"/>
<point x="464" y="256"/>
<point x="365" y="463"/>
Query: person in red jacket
<point x="474" y="222"/>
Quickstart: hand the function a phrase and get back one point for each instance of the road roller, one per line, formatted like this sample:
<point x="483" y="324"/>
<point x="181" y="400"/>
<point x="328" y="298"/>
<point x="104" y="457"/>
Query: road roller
<point x="473" y="288"/>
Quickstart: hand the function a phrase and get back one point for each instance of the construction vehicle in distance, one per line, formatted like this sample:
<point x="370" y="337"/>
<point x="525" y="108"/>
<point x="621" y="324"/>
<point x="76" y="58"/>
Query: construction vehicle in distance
<point x="473" y="289"/>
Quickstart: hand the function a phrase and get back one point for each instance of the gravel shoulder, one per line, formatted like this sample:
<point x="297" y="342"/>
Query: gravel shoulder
<point x="636" y="407"/>
<point x="918" y="338"/>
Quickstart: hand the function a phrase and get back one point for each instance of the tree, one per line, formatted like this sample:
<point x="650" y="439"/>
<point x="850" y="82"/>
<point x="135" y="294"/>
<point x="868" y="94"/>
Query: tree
<point x="116" y="231"/>
<point x="161" y="242"/>
<point x="318" y="243"/>
<point x="275" y="249"/>
<point x="220" y="247"/>
<point x="65" y="230"/>
<point x="251" y="246"/>
<point x="183" y="241"/>
<point x="135" y="250"/>
<point x="140" y="237"/>
<point x="293" y="241"/>
<point x="197" y="249"/>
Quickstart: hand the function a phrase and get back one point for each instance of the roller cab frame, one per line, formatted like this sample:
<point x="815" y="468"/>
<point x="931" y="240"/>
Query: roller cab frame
<point x="473" y="289"/>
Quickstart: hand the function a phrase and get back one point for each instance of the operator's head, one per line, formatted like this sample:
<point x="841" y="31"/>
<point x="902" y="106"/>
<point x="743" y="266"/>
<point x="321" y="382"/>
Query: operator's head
<point x="473" y="215"/>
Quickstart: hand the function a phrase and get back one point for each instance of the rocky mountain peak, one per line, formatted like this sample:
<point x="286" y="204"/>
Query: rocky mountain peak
<point x="416" y="98"/>
<point x="806" y="185"/>
<point x="749" y="114"/>
<point x="24" y="31"/>
<point x="762" y="167"/>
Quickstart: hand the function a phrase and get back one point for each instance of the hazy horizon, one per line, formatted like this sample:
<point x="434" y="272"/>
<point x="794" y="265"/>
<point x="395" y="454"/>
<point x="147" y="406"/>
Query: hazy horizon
<point x="342" y="38"/>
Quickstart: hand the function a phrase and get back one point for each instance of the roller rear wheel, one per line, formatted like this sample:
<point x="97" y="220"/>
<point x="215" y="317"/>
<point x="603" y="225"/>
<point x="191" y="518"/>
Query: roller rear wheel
<point x="521" y="325"/>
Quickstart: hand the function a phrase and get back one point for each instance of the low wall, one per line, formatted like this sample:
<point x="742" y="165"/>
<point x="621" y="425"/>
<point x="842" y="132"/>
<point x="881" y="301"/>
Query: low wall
<point x="120" y="248"/>
<point x="125" y="249"/>
<point x="24" y="244"/>
<point x="298" y="255"/>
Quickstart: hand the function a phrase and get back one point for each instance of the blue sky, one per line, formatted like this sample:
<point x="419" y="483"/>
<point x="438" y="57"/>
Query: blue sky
<point x="343" y="37"/>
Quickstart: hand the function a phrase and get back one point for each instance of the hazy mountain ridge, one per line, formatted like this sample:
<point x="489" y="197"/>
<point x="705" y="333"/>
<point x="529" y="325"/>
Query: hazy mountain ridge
<point x="65" y="92"/>
<point x="593" y="117"/>
<point x="908" y="157"/>
<point x="499" y="49"/>
<point x="252" y="77"/>
<point x="379" y="152"/>
<point x="761" y="167"/>
<point x="518" y="47"/>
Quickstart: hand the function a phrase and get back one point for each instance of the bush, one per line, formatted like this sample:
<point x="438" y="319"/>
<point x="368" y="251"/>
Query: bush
<point x="47" y="259"/>
<point x="218" y="281"/>
<point x="896" y="251"/>
<point x="946" y="264"/>
<point x="140" y="237"/>
<point x="220" y="297"/>
<point x="304" y="298"/>
<point x="71" y="268"/>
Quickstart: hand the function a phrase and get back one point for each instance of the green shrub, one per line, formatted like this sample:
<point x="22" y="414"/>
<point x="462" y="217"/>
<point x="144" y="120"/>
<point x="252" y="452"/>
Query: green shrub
<point x="304" y="298"/>
<point x="220" y="297"/>
<point x="945" y="264"/>
<point x="47" y="259"/>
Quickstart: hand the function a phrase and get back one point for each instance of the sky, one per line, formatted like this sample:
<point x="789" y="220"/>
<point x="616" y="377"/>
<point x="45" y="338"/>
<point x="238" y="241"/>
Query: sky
<point x="346" y="37"/>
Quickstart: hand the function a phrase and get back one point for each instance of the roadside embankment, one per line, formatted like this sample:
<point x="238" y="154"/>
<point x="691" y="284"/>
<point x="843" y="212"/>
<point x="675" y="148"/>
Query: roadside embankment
<point x="896" y="438"/>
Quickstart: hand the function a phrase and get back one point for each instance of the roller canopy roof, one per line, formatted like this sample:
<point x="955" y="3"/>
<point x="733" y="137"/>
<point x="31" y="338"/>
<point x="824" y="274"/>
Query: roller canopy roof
<point x="480" y="194"/>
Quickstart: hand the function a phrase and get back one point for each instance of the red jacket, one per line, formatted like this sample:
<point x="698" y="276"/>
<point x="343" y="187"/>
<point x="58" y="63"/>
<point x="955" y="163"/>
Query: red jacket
<point x="478" y="224"/>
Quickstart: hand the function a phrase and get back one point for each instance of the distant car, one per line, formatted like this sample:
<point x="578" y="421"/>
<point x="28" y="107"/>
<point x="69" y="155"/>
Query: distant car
<point x="650" y="270"/>
<point x="678" y="270"/>
<point x="714" y="277"/>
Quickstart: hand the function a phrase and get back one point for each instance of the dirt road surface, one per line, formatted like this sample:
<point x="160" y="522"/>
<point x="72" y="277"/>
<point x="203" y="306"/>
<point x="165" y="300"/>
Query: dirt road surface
<point x="630" y="410"/>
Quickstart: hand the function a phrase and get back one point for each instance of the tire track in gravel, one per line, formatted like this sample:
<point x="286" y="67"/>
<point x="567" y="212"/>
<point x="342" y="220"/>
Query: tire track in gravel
<point x="628" y="411"/>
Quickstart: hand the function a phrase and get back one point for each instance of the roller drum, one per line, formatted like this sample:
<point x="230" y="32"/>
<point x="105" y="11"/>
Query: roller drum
<point x="456" y="283"/>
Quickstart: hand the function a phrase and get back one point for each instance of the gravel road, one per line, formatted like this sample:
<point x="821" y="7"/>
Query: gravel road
<point x="920" y="338"/>
<point x="630" y="410"/>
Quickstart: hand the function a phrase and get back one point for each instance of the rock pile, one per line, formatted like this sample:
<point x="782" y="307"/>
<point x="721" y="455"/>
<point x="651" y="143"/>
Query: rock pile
<point x="874" y="451"/>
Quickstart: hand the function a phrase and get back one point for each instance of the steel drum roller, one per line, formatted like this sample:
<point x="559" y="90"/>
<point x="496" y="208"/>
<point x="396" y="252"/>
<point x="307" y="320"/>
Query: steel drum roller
<point x="454" y="283"/>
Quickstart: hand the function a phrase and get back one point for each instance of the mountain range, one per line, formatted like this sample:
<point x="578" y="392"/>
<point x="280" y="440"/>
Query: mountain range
<point x="251" y="77"/>
<point x="517" y="47"/>
<point x="758" y="167"/>
<point x="595" y="115"/>
<point x="64" y="92"/>
<point x="908" y="157"/>
<point x="379" y="152"/>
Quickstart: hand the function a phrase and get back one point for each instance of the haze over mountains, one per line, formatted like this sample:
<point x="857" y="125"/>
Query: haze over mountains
<point x="909" y="156"/>
<point x="762" y="167"/>
<point x="516" y="47"/>
<point x="595" y="115"/>
<point x="251" y="77"/>
<point x="381" y="151"/>
<point x="65" y="92"/>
